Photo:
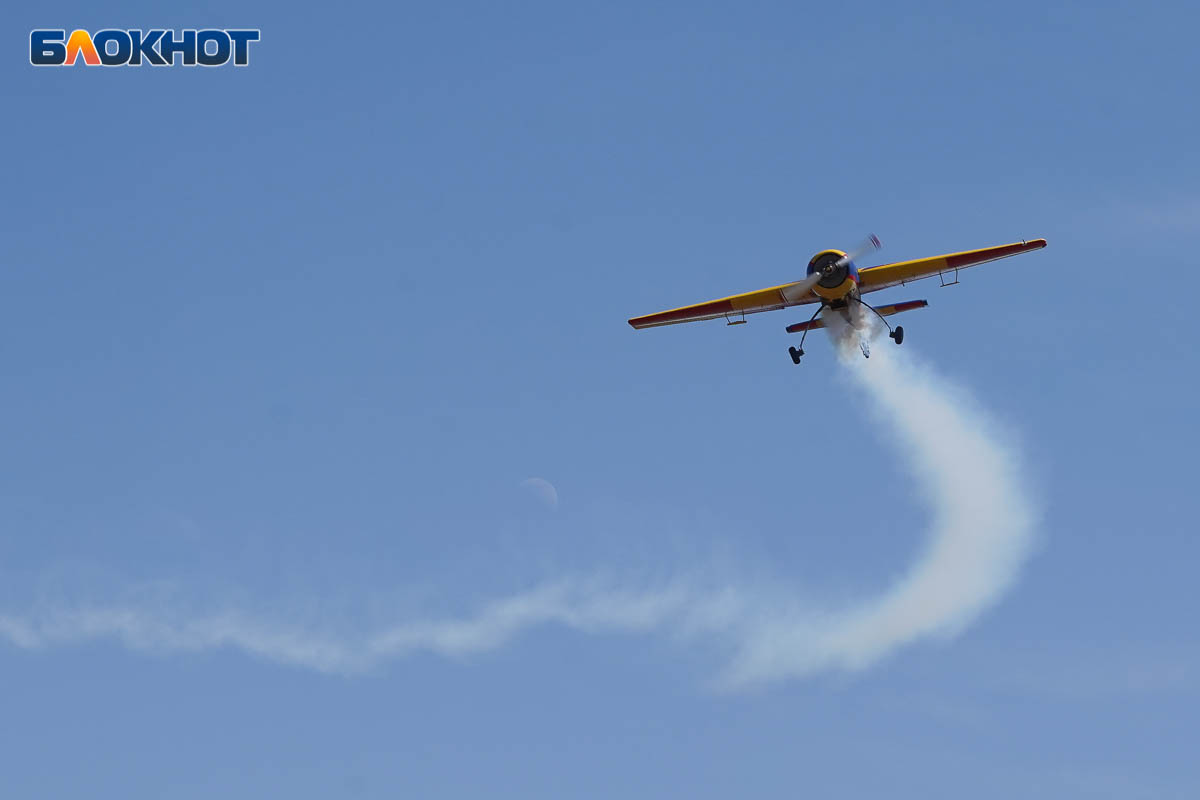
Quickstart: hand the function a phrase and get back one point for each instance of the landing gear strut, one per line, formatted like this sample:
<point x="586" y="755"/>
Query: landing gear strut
<point x="896" y="334"/>
<point x="796" y="352"/>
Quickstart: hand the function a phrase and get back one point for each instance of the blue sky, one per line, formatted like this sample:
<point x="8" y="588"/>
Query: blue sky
<point x="282" y="343"/>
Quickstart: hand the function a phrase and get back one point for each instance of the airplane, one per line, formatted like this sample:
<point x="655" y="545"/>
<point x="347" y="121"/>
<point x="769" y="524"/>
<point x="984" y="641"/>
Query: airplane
<point x="833" y="281"/>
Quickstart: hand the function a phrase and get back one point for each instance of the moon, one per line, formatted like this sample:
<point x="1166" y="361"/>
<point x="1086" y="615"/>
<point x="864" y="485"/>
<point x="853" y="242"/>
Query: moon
<point x="543" y="490"/>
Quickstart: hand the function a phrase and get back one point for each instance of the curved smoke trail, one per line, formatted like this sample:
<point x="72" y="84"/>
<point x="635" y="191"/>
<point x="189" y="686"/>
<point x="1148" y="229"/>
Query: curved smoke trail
<point x="981" y="533"/>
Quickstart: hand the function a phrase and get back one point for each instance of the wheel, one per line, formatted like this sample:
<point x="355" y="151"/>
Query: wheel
<point x="898" y="334"/>
<point x="795" y="354"/>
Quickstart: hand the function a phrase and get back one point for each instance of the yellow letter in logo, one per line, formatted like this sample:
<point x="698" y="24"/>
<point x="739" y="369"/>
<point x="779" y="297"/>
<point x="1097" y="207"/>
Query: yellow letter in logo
<point x="81" y="42"/>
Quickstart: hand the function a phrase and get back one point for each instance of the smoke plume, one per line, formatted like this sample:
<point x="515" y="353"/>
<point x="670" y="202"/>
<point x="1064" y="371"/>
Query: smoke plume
<point x="963" y="469"/>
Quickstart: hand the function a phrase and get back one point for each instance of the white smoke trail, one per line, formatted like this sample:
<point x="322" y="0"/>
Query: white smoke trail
<point x="981" y="532"/>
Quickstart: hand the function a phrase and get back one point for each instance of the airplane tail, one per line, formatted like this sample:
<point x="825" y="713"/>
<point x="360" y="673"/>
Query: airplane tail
<point x="884" y="311"/>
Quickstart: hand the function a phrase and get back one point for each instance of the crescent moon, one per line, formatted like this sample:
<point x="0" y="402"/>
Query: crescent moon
<point x="543" y="490"/>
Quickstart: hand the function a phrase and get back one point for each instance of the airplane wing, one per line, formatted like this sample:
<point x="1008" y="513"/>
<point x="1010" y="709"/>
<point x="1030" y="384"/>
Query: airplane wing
<point x="875" y="278"/>
<point x="734" y="307"/>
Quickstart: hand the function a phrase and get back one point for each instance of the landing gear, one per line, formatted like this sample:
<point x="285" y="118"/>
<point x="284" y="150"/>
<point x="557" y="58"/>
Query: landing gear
<point x="896" y="333"/>
<point x="796" y="352"/>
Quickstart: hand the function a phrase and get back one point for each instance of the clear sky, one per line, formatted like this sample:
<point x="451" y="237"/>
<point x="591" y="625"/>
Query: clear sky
<point x="282" y="346"/>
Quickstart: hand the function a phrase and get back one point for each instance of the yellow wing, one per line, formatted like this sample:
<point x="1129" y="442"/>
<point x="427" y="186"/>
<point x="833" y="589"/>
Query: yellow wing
<point x="734" y="307"/>
<point x="874" y="278"/>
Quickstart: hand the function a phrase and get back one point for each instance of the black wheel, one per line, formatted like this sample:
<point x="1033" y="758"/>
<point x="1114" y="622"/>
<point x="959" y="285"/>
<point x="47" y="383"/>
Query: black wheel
<point x="795" y="354"/>
<point x="898" y="334"/>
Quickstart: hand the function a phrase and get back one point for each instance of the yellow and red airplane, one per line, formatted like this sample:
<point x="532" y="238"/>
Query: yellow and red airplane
<point x="836" y="283"/>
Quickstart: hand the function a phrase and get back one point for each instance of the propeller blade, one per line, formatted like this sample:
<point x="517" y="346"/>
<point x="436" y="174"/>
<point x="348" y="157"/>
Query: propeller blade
<point x="797" y="291"/>
<point x="866" y="247"/>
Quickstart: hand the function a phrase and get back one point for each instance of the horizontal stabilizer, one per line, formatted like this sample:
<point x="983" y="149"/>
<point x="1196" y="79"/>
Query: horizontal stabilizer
<point x="811" y="325"/>
<point x="884" y="311"/>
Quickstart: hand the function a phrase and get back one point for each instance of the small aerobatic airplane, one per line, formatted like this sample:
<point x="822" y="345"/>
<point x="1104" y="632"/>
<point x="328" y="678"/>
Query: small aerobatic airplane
<point x="836" y="283"/>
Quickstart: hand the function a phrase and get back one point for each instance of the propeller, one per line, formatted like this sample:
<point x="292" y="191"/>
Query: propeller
<point x="797" y="291"/>
<point x="865" y="247"/>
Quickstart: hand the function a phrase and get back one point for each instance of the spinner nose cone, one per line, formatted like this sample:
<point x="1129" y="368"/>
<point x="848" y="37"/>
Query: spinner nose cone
<point x="825" y="260"/>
